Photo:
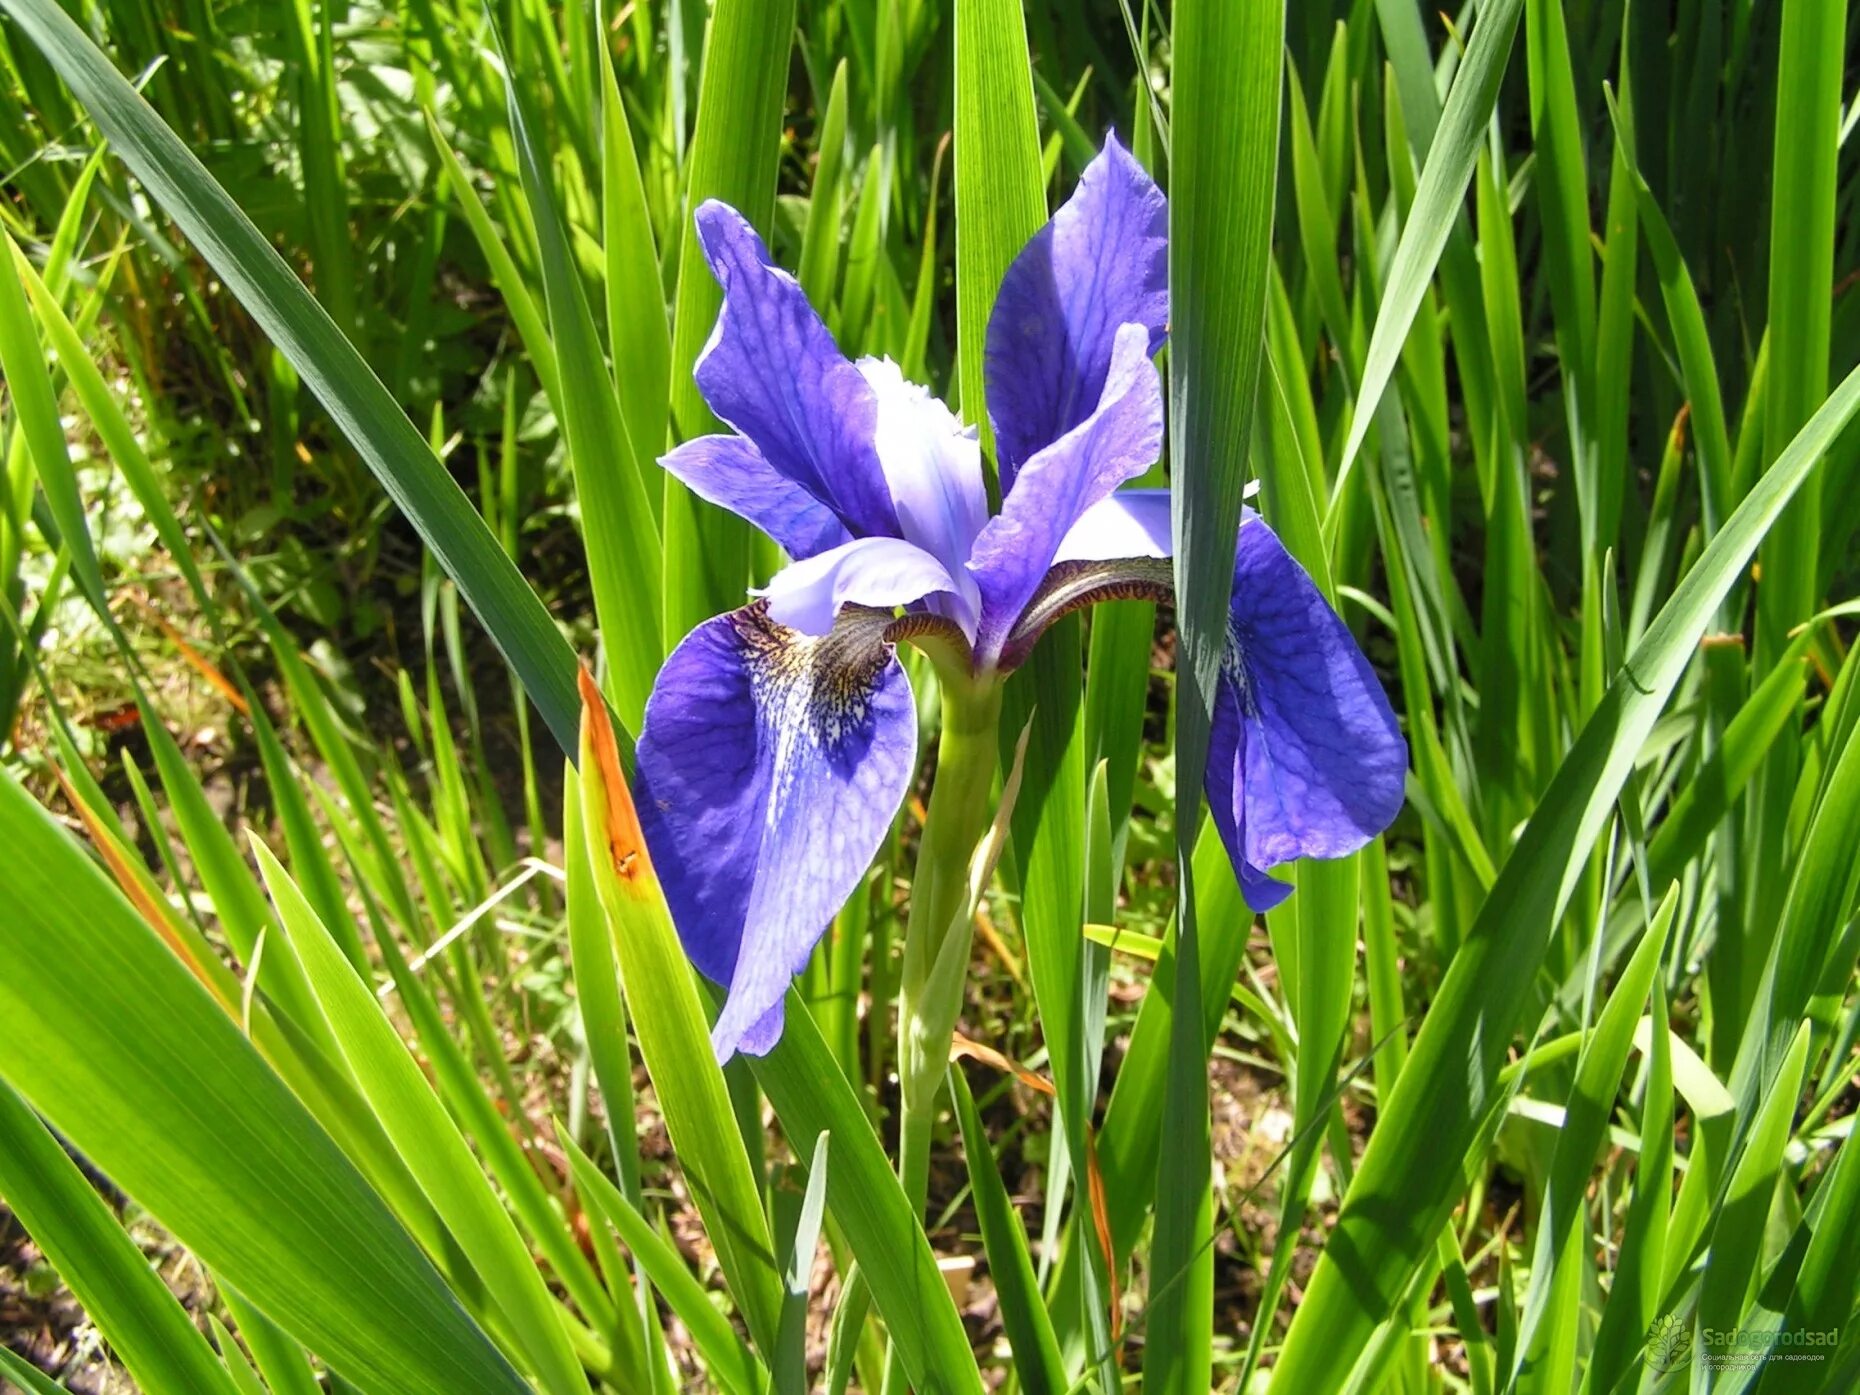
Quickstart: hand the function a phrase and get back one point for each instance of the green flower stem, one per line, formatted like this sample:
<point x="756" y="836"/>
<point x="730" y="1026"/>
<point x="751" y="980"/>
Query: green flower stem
<point x="936" y="936"/>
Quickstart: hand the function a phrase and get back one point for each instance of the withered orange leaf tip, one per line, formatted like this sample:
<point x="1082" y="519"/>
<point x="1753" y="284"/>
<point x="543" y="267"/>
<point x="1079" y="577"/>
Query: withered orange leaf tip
<point x="625" y="842"/>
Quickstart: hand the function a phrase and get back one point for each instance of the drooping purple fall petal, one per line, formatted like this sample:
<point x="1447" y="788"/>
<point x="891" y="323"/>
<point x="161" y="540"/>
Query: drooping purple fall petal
<point x="730" y="472"/>
<point x="1055" y="488"/>
<point x="1305" y="758"/>
<point x="768" y="769"/>
<point x="1101" y="263"/>
<point x="772" y="371"/>
<point x="866" y="571"/>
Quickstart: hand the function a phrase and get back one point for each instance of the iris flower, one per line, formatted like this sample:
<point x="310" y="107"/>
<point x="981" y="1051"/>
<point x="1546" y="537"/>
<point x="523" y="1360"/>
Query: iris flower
<point x="780" y="739"/>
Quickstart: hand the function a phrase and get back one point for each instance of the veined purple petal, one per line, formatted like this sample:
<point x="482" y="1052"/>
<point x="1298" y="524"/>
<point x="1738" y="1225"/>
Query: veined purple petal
<point x="933" y="465"/>
<point x="1305" y="758"/>
<point x="729" y="471"/>
<point x="768" y="770"/>
<point x="772" y="371"/>
<point x="866" y="571"/>
<point x="1055" y="488"/>
<point x="1101" y="263"/>
<point x="1131" y="523"/>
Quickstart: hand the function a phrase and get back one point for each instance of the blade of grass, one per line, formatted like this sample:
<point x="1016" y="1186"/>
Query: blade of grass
<point x="618" y="523"/>
<point x="1546" y="1345"/>
<point x="638" y="329"/>
<point x="797" y="1279"/>
<point x="812" y="1097"/>
<point x="1037" y="1364"/>
<point x="1225" y="122"/>
<point x="1000" y="199"/>
<point x="728" y="1361"/>
<point x="734" y="156"/>
<point x="279" y="1359"/>
<point x="1445" y="176"/>
<point x="146" y="1326"/>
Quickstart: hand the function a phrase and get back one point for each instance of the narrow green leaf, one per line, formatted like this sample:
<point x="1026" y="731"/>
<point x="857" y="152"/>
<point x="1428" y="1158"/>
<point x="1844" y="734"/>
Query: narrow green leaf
<point x="727" y="1360"/>
<point x="734" y="157"/>
<point x="812" y="1097"/>
<point x="618" y="525"/>
<point x="280" y="1360"/>
<point x="798" y="1276"/>
<point x="1225" y="122"/>
<point x="639" y="335"/>
<point x="146" y="1326"/>
<point x="1634" y="1294"/>
<point x="820" y="239"/>
<point x="1736" y="1239"/>
<point x="1451" y="158"/>
<point x="1000" y="201"/>
<point x="35" y="407"/>
<point x="1037" y="1363"/>
<point x="1546" y="1349"/>
<point x="509" y="280"/>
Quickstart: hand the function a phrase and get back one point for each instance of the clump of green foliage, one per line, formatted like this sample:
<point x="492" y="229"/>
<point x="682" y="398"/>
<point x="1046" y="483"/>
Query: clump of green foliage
<point x="1534" y="328"/>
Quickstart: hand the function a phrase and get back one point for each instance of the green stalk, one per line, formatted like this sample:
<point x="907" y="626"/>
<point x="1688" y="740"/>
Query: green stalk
<point x="936" y="935"/>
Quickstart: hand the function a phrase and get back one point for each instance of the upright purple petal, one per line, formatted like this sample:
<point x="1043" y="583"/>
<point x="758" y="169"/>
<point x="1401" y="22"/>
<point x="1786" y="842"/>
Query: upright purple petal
<point x="768" y="770"/>
<point x="1305" y="758"/>
<point x="772" y="371"/>
<point x="1101" y="263"/>
<point x="1117" y="442"/>
<point x="882" y="572"/>
<point x="729" y="471"/>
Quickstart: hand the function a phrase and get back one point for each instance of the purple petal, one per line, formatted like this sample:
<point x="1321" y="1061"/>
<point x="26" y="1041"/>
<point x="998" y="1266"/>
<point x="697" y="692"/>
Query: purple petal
<point x="866" y="571"/>
<point x="1131" y="523"/>
<point x="772" y="371"/>
<point x="1055" y="488"/>
<point x="730" y="472"/>
<point x="1102" y="262"/>
<point x="1305" y="759"/>
<point x="769" y="768"/>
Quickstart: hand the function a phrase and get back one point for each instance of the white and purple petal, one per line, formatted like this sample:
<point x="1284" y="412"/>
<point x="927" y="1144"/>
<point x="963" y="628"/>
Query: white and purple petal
<point x="933" y="466"/>
<point x="1061" y="483"/>
<point x="730" y="472"/>
<point x="772" y="371"/>
<point x="882" y="572"/>
<point x="1101" y="262"/>
<point x="769" y="767"/>
<point x="1130" y="523"/>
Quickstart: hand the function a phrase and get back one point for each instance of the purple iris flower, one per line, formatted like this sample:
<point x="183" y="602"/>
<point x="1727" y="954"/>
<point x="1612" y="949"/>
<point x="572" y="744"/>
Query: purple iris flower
<point x="780" y="739"/>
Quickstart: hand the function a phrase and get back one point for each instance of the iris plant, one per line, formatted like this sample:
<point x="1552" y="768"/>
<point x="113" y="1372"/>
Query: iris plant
<point x="781" y="738"/>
